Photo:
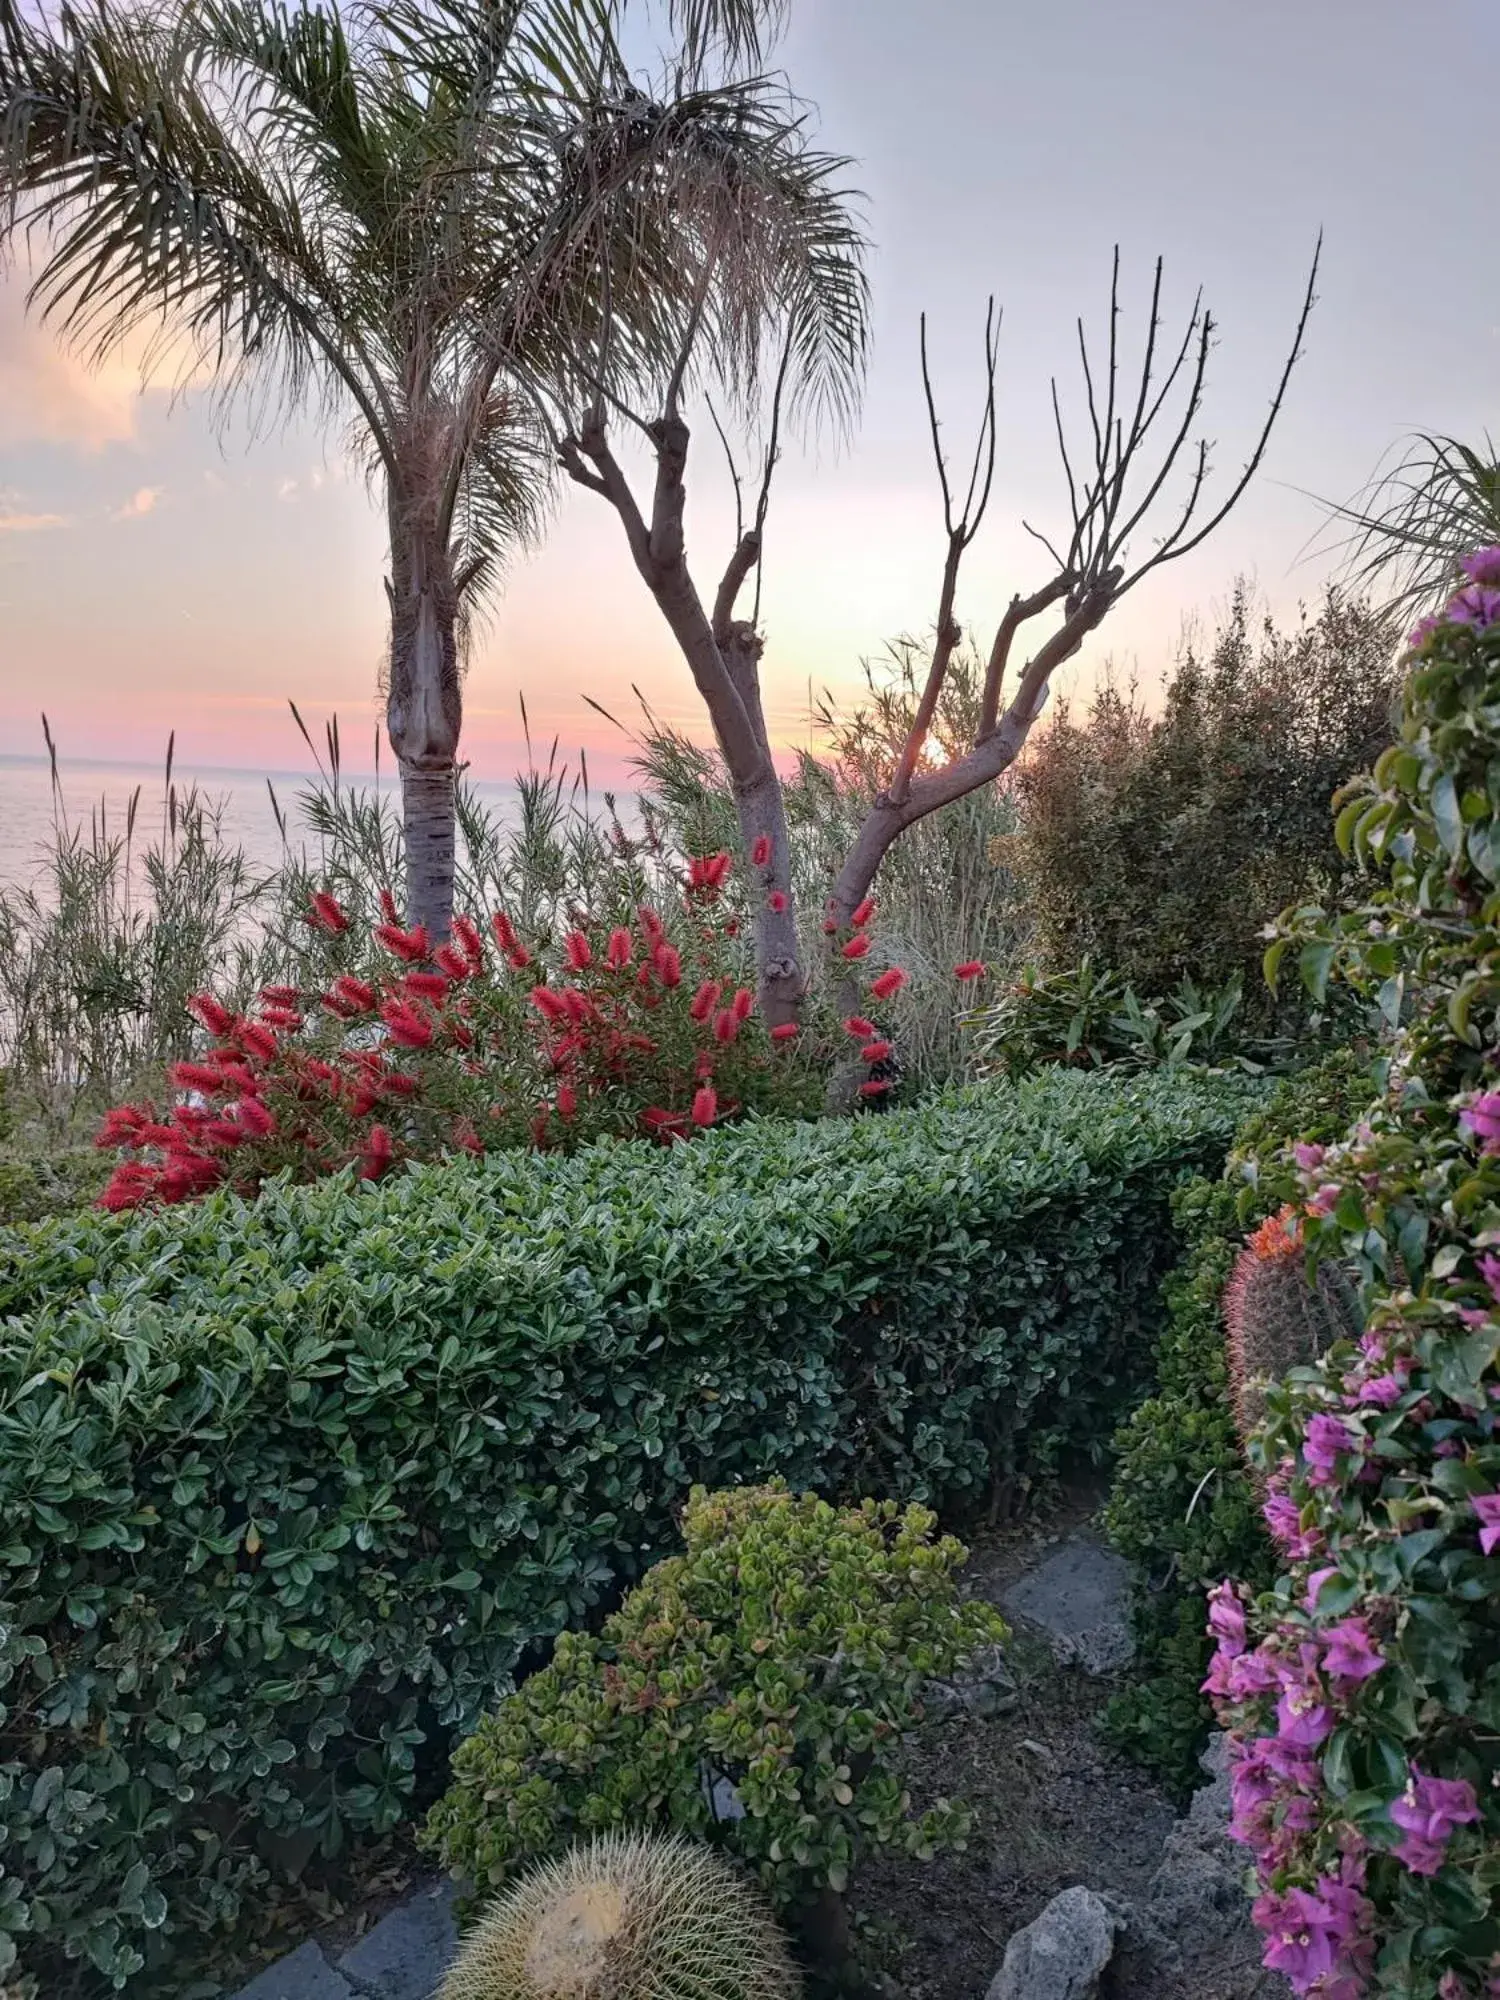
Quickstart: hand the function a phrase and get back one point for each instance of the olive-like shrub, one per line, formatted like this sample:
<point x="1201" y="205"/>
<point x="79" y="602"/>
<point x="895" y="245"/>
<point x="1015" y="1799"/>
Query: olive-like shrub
<point x="751" y="1691"/>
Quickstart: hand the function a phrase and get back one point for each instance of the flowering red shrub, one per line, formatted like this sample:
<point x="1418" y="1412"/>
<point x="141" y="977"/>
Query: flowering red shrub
<point x="644" y="1030"/>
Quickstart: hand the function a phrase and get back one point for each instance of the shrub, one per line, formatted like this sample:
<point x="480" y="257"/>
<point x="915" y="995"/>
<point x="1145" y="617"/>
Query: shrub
<point x="288" y="1488"/>
<point x="626" y="1915"/>
<point x="641" y="1029"/>
<point x="1182" y="1507"/>
<point x="1161" y="846"/>
<point x="34" y="1186"/>
<point x="782" y="1652"/>
<point x="1087" y="1016"/>
<point x="1363" y="1689"/>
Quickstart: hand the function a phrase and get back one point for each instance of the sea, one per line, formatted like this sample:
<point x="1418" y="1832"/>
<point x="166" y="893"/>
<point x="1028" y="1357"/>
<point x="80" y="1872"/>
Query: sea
<point x="93" y="793"/>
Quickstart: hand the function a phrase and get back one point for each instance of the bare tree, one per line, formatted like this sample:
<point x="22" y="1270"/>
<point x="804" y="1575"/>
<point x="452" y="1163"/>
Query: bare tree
<point x="1132" y="448"/>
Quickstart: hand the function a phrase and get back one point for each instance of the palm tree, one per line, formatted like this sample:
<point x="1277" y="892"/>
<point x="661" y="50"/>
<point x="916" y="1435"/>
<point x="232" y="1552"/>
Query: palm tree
<point x="422" y="210"/>
<point x="1412" y="524"/>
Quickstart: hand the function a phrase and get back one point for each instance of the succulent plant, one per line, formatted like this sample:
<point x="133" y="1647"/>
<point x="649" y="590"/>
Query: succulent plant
<point x="627" y="1917"/>
<point x="1276" y="1318"/>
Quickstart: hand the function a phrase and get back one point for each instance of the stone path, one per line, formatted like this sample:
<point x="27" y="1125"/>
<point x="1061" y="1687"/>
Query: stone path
<point x="403" y="1957"/>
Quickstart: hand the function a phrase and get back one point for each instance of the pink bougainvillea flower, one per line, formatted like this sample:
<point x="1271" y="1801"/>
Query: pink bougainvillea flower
<point x="1430" y="1811"/>
<point x="1325" y="1201"/>
<point x="1304" y="1934"/>
<point x="1226" y="1617"/>
<point x="1308" y="1157"/>
<point x="1481" y="1117"/>
<point x="1325" y="1439"/>
<point x="1302" y="1720"/>
<point x="1384" y="1391"/>
<point x="1487" y="1509"/>
<point x="890" y="981"/>
<point x="1475" y="605"/>
<point x="1350" y="1652"/>
<point x="1484" y="565"/>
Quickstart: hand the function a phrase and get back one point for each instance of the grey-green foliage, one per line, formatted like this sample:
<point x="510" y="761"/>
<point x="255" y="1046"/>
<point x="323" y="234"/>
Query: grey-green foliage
<point x="287" y="1488"/>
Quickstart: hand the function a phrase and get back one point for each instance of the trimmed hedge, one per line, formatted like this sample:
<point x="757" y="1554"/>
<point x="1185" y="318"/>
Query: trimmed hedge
<point x="287" y="1489"/>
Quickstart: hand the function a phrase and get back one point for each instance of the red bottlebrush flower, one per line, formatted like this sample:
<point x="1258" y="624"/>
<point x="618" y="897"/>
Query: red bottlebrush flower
<point x="453" y="962"/>
<point x="856" y="947"/>
<point x="427" y="985"/>
<point x="363" y="1100"/>
<point x="563" y="1052"/>
<point x="787" y="1031"/>
<point x="858" y="1025"/>
<point x="703" y="1066"/>
<point x="281" y="996"/>
<point x="377" y="1155"/>
<point x="874" y="1052"/>
<point x="340" y="1009"/>
<point x="407" y="945"/>
<point x="402" y="1082"/>
<point x="128" y="1186"/>
<point x="519" y="959"/>
<point x="577" y="951"/>
<point x="407" y="1028"/>
<point x="726" y="1025"/>
<point x="199" y="1076"/>
<point x="706" y="874"/>
<point x="705" y="999"/>
<point x="705" y="1105"/>
<point x="326" y="914"/>
<point x="743" y="1004"/>
<point x="863" y="913"/>
<point x="188" y="1175"/>
<point x="388" y="908"/>
<point x="760" y="853"/>
<point x="567" y="1101"/>
<point x="548" y="1004"/>
<point x="281" y="1017"/>
<point x="321" y="1072"/>
<point x="212" y="1013"/>
<point x="253" y="1115"/>
<point x="830" y="928"/>
<point x="465" y="1136"/>
<point x="890" y="981"/>
<point x="155" y="1134"/>
<point x="972" y="968"/>
<point x="121" y="1126"/>
<point x="223" y="1132"/>
<point x="776" y="901"/>
<point x="660" y="1124"/>
<point x="505" y="932"/>
<point x="732" y="927"/>
<point x="580" y="1008"/>
<point x="470" y="942"/>
<point x="668" y="963"/>
<point x="651" y="924"/>
<point x="357" y="994"/>
<point x="642" y="1042"/>
<point x="875" y="1086"/>
<point x="258" y="1040"/>
<point x="461" y="1034"/>
<point x="620" y="949"/>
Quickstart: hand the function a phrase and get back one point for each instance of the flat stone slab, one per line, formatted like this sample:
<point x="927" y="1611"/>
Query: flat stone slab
<point x="304" y="1974"/>
<point x="407" y="1953"/>
<point x="1061" y="1956"/>
<point x="1080" y="1596"/>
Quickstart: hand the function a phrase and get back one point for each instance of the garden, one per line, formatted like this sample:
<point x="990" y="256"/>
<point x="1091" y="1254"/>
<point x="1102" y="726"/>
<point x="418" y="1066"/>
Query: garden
<point x="554" y="1355"/>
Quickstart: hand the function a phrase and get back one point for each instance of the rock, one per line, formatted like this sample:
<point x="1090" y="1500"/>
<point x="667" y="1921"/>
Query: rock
<point x="1080" y="1596"/>
<point x="1063" y="1954"/>
<point x="303" y="1974"/>
<point x="405" y="1956"/>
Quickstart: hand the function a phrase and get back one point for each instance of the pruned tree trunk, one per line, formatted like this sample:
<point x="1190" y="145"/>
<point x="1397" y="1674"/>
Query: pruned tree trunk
<point x="424" y="715"/>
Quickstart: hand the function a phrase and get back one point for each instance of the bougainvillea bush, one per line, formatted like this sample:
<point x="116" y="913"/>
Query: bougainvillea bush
<point x="1363" y="1691"/>
<point x="647" y="1029"/>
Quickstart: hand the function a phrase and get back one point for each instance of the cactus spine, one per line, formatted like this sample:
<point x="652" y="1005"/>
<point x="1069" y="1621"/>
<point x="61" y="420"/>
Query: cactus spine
<point x="627" y="1917"/>
<point x="1275" y="1319"/>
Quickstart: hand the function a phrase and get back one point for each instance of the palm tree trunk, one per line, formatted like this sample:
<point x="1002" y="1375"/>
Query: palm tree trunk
<point x="424" y="715"/>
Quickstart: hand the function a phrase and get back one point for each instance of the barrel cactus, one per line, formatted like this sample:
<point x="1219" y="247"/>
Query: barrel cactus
<point x="627" y="1917"/>
<point x="1276" y="1318"/>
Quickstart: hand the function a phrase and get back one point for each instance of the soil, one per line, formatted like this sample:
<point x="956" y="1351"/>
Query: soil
<point x="1054" y="1807"/>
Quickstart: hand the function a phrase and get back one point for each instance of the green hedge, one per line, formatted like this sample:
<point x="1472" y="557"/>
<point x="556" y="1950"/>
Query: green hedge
<point x="36" y="1185"/>
<point x="1181" y="1507"/>
<point x="287" y="1489"/>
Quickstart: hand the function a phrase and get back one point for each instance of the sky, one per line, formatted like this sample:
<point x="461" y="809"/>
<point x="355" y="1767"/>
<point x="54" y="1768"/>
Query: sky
<point x="156" y="575"/>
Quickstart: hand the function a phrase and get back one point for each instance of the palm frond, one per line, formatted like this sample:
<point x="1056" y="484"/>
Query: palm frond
<point x="1412" y="524"/>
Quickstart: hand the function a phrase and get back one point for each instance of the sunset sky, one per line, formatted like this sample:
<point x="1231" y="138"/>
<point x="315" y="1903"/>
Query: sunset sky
<point x="151" y="580"/>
